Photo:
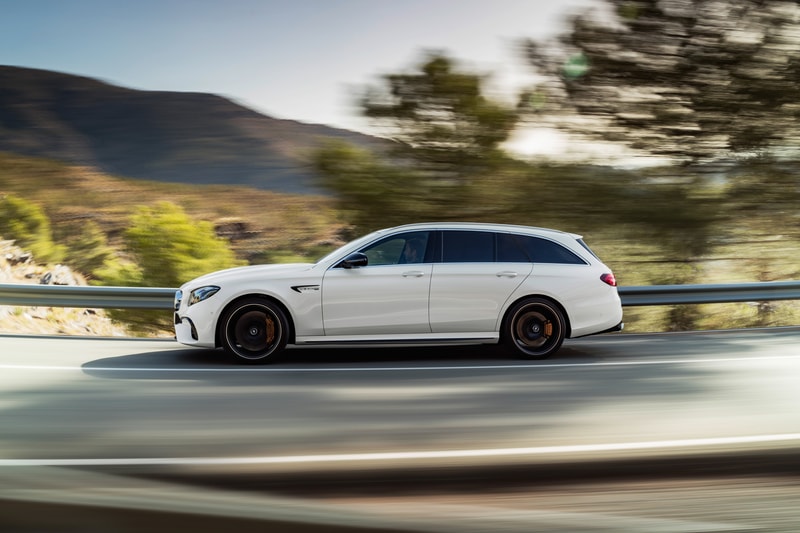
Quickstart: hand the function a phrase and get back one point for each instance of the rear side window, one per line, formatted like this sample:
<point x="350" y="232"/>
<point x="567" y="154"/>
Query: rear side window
<point x="467" y="247"/>
<point x="545" y="251"/>
<point x="509" y="249"/>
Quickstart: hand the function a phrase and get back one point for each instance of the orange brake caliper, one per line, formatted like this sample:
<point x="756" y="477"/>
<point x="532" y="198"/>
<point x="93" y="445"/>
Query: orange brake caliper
<point x="270" y="330"/>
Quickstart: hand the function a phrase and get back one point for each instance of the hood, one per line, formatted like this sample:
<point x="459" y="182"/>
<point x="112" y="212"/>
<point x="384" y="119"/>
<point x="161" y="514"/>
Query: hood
<point x="249" y="272"/>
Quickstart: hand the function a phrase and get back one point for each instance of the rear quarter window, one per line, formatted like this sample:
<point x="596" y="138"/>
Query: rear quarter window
<point x="545" y="251"/>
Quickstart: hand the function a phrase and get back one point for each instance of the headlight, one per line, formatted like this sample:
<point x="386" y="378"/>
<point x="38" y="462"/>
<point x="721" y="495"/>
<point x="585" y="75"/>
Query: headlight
<point x="178" y="299"/>
<point x="203" y="293"/>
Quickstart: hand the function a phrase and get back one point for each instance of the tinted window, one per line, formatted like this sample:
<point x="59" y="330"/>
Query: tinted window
<point x="467" y="247"/>
<point x="406" y="248"/>
<point x="509" y="249"/>
<point x="545" y="251"/>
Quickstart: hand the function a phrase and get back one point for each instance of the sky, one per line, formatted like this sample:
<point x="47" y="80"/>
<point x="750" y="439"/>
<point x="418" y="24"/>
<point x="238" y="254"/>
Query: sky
<point x="295" y="59"/>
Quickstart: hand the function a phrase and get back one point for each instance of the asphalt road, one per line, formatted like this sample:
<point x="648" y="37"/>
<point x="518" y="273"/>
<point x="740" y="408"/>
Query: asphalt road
<point x="155" y="407"/>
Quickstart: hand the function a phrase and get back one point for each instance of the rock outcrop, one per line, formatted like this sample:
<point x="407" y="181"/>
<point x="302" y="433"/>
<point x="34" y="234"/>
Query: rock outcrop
<point x="19" y="266"/>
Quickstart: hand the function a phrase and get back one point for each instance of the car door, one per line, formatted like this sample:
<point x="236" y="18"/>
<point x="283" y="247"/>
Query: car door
<point x="469" y="287"/>
<point x="387" y="296"/>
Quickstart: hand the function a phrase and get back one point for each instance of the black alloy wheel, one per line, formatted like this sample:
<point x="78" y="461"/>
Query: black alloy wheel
<point x="254" y="330"/>
<point x="535" y="328"/>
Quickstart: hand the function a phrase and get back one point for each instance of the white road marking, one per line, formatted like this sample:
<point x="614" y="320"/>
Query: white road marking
<point x="271" y="369"/>
<point x="401" y="456"/>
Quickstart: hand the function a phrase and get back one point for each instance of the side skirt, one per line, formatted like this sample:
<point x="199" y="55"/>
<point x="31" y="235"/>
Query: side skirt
<point x="401" y="340"/>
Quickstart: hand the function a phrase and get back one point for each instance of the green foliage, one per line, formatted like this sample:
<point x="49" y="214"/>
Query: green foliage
<point x="119" y="272"/>
<point x="29" y="226"/>
<point x="171" y="248"/>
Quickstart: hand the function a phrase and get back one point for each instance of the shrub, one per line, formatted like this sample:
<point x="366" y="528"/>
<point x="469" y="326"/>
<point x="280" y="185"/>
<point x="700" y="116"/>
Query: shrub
<point x="28" y="225"/>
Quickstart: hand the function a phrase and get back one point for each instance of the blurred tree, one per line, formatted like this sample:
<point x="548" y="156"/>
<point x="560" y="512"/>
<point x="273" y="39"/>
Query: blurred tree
<point x="446" y="148"/>
<point x="29" y="226"/>
<point x="680" y="216"/>
<point x="440" y="118"/>
<point x="692" y="80"/>
<point x="766" y="229"/>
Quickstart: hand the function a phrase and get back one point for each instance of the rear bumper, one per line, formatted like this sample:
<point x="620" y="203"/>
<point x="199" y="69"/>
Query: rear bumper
<point x="618" y="327"/>
<point x="612" y="329"/>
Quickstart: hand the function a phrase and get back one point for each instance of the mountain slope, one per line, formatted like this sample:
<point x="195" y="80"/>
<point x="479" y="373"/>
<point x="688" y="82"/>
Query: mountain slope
<point x="163" y="136"/>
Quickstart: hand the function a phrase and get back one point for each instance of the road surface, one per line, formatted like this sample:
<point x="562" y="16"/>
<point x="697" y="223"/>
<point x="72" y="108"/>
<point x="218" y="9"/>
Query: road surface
<point x="154" y="407"/>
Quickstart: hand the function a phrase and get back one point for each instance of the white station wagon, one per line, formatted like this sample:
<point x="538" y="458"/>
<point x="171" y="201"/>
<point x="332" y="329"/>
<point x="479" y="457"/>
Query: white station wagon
<point x="438" y="283"/>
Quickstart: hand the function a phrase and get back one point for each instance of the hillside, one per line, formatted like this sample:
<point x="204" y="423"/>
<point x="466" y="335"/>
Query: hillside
<point x="256" y="222"/>
<point x="163" y="136"/>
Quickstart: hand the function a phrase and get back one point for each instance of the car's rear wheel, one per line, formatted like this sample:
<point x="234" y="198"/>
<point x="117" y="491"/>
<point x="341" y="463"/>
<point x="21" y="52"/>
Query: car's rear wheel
<point x="535" y="328"/>
<point x="254" y="330"/>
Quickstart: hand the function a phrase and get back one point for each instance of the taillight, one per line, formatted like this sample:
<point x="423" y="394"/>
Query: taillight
<point x="609" y="279"/>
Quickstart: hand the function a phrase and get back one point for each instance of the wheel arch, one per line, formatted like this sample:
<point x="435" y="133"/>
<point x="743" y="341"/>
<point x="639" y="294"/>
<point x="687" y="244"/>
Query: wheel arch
<point x="568" y="323"/>
<point x="267" y="297"/>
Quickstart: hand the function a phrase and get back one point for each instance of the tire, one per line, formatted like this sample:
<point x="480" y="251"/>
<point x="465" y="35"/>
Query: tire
<point x="254" y="330"/>
<point x="534" y="328"/>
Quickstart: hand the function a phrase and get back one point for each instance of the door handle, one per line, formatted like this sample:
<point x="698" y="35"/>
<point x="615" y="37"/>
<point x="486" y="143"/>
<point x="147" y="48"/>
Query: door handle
<point x="506" y="274"/>
<point x="413" y="274"/>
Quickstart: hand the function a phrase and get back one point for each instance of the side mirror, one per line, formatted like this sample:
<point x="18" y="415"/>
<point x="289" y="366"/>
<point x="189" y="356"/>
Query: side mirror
<point x="354" y="260"/>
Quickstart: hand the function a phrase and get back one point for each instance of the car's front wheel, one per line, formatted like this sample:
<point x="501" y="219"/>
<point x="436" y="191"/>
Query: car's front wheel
<point x="535" y="328"/>
<point x="254" y="330"/>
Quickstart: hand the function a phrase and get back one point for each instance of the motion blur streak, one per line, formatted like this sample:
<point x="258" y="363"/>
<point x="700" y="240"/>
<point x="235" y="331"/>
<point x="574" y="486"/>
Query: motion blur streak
<point x="538" y="366"/>
<point x="399" y="456"/>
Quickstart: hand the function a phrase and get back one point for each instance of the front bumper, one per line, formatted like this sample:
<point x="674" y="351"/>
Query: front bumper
<point x="185" y="332"/>
<point x="193" y="326"/>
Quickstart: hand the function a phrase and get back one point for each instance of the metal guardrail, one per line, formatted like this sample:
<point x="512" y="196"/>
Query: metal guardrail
<point x="162" y="298"/>
<point x="88" y="297"/>
<point x="710" y="294"/>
